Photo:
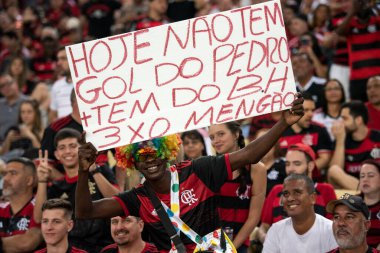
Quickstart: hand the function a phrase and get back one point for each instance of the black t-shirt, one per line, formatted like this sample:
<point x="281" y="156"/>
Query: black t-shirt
<point x="276" y="174"/>
<point x="181" y="10"/>
<point x="87" y="234"/>
<point x="100" y="16"/>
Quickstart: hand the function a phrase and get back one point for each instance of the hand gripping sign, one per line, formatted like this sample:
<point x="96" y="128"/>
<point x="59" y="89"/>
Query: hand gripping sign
<point x="181" y="76"/>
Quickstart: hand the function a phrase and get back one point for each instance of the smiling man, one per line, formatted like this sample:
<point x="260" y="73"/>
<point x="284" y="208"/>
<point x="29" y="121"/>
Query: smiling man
<point x="56" y="224"/>
<point x="190" y="189"/>
<point x="90" y="235"/>
<point x="350" y="224"/>
<point x="126" y="232"/>
<point x="304" y="230"/>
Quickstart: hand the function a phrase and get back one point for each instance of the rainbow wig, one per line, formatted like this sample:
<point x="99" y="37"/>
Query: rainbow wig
<point x="166" y="147"/>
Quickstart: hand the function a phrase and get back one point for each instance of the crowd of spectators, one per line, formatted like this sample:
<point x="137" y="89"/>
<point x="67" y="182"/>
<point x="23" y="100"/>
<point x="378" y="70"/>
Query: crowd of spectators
<point x="333" y="149"/>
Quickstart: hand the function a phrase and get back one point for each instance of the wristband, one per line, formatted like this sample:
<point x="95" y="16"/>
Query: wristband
<point x="95" y="171"/>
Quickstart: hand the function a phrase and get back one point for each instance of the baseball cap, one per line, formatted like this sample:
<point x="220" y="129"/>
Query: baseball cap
<point x="355" y="203"/>
<point x="303" y="148"/>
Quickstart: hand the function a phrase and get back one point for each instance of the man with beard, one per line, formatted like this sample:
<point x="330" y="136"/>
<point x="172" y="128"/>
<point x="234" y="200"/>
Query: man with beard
<point x="350" y="224"/>
<point x="373" y="104"/>
<point x="361" y="28"/>
<point x="304" y="230"/>
<point x="354" y="143"/>
<point x="312" y="134"/>
<point x="60" y="105"/>
<point x="18" y="230"/>
<point x="126" y="232"/>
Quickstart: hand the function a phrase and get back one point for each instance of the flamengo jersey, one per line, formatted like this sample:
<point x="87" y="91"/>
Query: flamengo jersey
<point x="199" y="183"/>
<point x="273" y="209"/>
<point x="71" y="249"/>
<point x="364" y="48"/>
<point x="113" y="248"/>
<point x="341" y="52"/>
<point x="15" y="224"/>
<point x="358" y="151"/>
<point x="373" y="234"/>
<point x="234" y="207"/>
<point x="316" y="136"/>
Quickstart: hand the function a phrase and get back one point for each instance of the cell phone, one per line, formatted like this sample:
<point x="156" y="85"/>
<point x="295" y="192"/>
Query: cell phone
<point x="305" y="42"/>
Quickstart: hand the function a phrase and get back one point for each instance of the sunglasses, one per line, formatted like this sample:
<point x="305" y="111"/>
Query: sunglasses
<point x="146" y="156"/>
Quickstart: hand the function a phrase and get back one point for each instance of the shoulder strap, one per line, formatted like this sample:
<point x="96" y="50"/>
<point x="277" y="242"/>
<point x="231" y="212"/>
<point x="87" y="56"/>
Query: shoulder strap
<point x="165" y="219"/>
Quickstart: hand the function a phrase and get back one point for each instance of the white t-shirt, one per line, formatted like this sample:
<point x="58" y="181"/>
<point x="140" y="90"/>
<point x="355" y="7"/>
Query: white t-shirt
<point x="326" y="120"/>
<point x="282" y="238"/>
<point x="60" y="97"/>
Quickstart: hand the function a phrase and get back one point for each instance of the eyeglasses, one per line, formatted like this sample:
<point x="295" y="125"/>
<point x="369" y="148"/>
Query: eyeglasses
<point x="6" y="84"/>
<point x="145" y="157"/>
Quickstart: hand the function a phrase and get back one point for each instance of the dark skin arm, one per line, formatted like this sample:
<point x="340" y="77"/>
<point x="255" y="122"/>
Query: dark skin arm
<point x="255" y="150"/>
<point x="84" y="207"/>
<point x="108" y="207"/>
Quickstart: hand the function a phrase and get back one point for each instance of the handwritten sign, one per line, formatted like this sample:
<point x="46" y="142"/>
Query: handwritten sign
<point x="186" y="75"/>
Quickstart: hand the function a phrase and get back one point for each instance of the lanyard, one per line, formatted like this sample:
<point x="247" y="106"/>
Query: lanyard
<point x="211" y="240"/>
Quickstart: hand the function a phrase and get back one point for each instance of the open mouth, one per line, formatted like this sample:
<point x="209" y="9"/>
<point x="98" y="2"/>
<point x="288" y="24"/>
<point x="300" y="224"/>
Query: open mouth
<point x="121" y="234"/>
<point x="152" y="169"/>
<point x="293" y="206"/>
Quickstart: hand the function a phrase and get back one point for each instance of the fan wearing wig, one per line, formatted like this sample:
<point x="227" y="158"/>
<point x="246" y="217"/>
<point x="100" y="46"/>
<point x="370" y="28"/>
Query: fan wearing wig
<point x="188" y="191"/>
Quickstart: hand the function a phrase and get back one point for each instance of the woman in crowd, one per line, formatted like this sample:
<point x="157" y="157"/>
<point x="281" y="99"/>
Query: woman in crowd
<point x="369" y="184"/>
<point x="20" y="71"/>
<point x="193" y="144"/>
<point x="332" y="99"/>
<point x="243" y="197"/>
<point x="274" y="164"/>
<point x="27" y="135"/>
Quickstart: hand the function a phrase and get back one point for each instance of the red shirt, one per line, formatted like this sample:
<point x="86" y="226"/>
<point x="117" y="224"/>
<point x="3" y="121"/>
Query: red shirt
<point x="113" y="248"/>
<point x="373" y="117"/>
<point x="71" y="249"/>
<point x="18" y="223"/>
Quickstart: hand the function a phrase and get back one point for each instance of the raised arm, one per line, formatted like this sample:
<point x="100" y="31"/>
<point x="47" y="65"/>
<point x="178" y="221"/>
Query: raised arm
<point x="255" y="150"/>
<point x="84" y="207"/>
<point x="44" y="176"/>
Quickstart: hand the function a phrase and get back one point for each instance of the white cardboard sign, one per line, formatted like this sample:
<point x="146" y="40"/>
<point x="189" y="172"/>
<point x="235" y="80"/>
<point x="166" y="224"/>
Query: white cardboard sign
<point x="181" y="76"/>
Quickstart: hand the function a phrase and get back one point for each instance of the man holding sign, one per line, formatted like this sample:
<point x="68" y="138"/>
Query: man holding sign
<point x="189" y="189"/>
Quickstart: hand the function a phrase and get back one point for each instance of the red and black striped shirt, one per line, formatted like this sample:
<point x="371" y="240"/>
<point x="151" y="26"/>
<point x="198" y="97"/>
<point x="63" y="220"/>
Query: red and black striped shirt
<point x="200" y="181"/>
<point x="113" y="248"/>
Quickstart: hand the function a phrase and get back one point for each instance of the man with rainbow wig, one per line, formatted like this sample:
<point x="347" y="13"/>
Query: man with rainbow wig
<point x="187" y="191"/>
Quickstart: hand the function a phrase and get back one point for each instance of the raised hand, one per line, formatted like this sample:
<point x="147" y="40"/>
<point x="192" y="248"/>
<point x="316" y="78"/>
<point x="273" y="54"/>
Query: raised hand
<point x="87" y="153"/>
<point x="338" y="130"/>
<point x="44" y="171"/>
<point x="292" y="115"/>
